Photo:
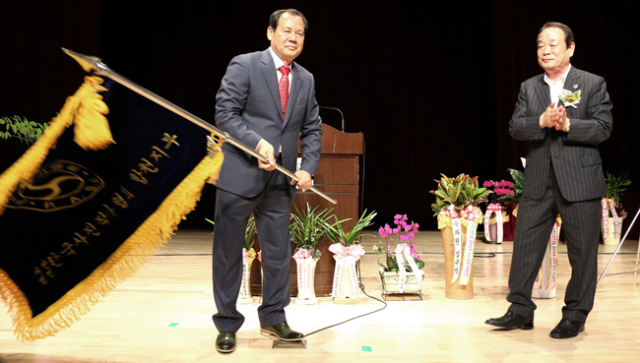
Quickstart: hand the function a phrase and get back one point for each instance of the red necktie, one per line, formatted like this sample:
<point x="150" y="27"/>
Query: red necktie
<point x="284" y="88"/>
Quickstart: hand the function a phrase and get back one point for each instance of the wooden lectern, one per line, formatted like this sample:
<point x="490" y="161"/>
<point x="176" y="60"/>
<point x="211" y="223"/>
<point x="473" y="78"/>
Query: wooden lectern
<point x="338" y="176"/>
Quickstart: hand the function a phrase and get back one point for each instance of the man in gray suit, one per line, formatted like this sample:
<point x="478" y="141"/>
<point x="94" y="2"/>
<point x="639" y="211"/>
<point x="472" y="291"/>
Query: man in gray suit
<point x="267" y="102"/>
<point x="563" y="175"/>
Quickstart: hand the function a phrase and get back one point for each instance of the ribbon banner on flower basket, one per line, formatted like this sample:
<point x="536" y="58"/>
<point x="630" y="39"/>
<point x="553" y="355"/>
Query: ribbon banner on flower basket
<point x="305" y="264"/>
<point x="403" y="252"/>
<point x="456" y="226"/>
<point x="553" y="258"/>
<point x="497" y="209"/>
<point x="609" y="204"/>
<point x="346" y="257"/>
<point x="470" y="214"/>
<point x="245" y="297"/>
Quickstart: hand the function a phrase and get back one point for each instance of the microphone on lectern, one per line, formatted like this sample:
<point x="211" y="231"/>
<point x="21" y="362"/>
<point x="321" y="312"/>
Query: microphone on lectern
<point x="335" y="109"/>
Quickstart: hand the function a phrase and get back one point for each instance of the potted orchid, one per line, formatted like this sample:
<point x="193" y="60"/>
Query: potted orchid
<point x="458" y="215"/>
<point x="493" y="227"/>
<point x="401" y="270"/>
<point x="347" y="251"/>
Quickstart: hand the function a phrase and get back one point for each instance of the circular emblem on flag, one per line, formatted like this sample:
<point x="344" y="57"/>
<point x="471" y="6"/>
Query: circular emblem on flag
<point x="61" y="184"/>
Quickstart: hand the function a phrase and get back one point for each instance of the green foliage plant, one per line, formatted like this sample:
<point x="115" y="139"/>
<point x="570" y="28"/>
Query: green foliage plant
<point x="308" y="228"/>
<point x="337" y="234"/>
<point x="616" y="186"/>
<point x="459" y="192"/>
<point x="250" y="233"/>
<point x="518" y="182"/>
<point x="21" y="128"/>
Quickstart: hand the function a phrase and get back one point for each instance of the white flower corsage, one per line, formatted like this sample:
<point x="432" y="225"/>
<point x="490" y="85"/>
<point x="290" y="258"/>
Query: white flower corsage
<point x="570" y="98"/>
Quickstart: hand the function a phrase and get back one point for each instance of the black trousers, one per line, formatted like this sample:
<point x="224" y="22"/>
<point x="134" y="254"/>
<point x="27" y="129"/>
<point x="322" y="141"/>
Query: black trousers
<point x="581" y="225"/>
<point x="271" y="209"/>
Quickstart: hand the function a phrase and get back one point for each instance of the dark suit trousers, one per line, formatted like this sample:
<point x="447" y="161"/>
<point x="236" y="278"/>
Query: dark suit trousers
<point x="581" y="225"/>
<point x="271" y="209"/>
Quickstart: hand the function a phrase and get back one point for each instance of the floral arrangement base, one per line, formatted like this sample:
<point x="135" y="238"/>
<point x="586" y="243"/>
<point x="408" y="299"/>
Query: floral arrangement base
<point x="545" y="285"/>
<point x="454" y="290"/>
<point x="611" y="240"/>
<point x="543" y="293"/>
<point x="345" y="286"/>
<point x="390" y="281"/>
<point x="244" y="296"/>
<point x="493" y="234"/>
<point x="346" y="300"/>
<point x="307" y="301"/>
<point x="306" y="286"/>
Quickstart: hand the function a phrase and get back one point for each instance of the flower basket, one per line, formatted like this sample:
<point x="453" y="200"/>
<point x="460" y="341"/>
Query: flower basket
<point x="346" y="251"/>
<point x="494" y="226"/>
<point x="393" y="284"/>
<point x="245" y="297"/>
<point x="544" y="286"/>
<point x="612" y="222"/>
<point x="458" y="218"/>
<point x="402" y="264"/>
<point x="306" y="270"/>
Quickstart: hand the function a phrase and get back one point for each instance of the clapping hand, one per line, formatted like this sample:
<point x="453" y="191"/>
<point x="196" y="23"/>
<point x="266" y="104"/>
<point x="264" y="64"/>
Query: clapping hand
<point x="554" y="117"/>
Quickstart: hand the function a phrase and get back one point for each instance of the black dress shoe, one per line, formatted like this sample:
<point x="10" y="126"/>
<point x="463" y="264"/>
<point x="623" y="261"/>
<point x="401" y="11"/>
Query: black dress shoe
<point x="567" y="328"/>
<point x="282" y="332"/>
<point x="226" y="342"/>
<point x="511" y="320"/>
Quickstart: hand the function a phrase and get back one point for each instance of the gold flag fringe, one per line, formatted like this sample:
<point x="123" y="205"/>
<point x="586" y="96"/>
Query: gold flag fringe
<point x="144" y="242"/>
<point x="89" y="103"/>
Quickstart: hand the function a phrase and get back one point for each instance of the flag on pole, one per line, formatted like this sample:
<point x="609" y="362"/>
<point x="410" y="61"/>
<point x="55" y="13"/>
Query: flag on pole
<point x="83" y="208"/>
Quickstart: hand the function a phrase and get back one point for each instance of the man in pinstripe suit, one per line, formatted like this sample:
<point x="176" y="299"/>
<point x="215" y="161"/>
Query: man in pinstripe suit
<point x="563" y="176"/>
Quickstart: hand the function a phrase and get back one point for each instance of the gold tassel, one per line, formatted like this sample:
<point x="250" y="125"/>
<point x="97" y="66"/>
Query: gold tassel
<point x="25" y="169"/>
<point x="92" y="130"/>
<point x="123" y="263"/>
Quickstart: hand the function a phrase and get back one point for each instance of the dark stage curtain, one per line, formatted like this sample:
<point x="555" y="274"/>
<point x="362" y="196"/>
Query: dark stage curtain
<point x="432" y="87"/>
<point x="35" y="75"/>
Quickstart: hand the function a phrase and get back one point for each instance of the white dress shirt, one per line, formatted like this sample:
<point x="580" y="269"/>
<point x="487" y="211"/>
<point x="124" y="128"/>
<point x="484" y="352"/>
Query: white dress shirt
<point x="279" y="63"/>
<point x="555" y="88"/>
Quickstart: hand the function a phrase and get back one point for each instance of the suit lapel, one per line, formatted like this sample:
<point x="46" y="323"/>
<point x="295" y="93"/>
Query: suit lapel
<point x="271" y="79"/>
<point x="543" y="93"/>
<point x="573" y="79"/>
<point x="293" y="93"/>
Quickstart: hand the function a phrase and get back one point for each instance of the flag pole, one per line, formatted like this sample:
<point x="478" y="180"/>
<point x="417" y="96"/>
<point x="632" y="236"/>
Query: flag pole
<point x="94" y="65"/>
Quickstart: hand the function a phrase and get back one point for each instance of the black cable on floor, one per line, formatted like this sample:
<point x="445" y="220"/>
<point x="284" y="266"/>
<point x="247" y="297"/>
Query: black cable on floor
<point x="361" y="285"/>
<point x="484" y="255"/>
<point x="355" y="317"/>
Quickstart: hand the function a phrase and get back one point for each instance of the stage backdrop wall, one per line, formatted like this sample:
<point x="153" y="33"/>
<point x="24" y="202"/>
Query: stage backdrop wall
<point x="432" y="87"/>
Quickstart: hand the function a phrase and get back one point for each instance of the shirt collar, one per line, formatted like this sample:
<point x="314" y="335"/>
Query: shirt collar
<point x="276" y="60"/>
<point x="562" y="78"/>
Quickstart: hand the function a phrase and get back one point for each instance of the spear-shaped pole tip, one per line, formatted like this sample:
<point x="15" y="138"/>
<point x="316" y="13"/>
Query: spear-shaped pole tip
<point x="88" y="63"/>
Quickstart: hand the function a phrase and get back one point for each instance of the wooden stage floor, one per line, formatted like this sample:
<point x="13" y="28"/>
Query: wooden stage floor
<point x="163" y="314"/>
